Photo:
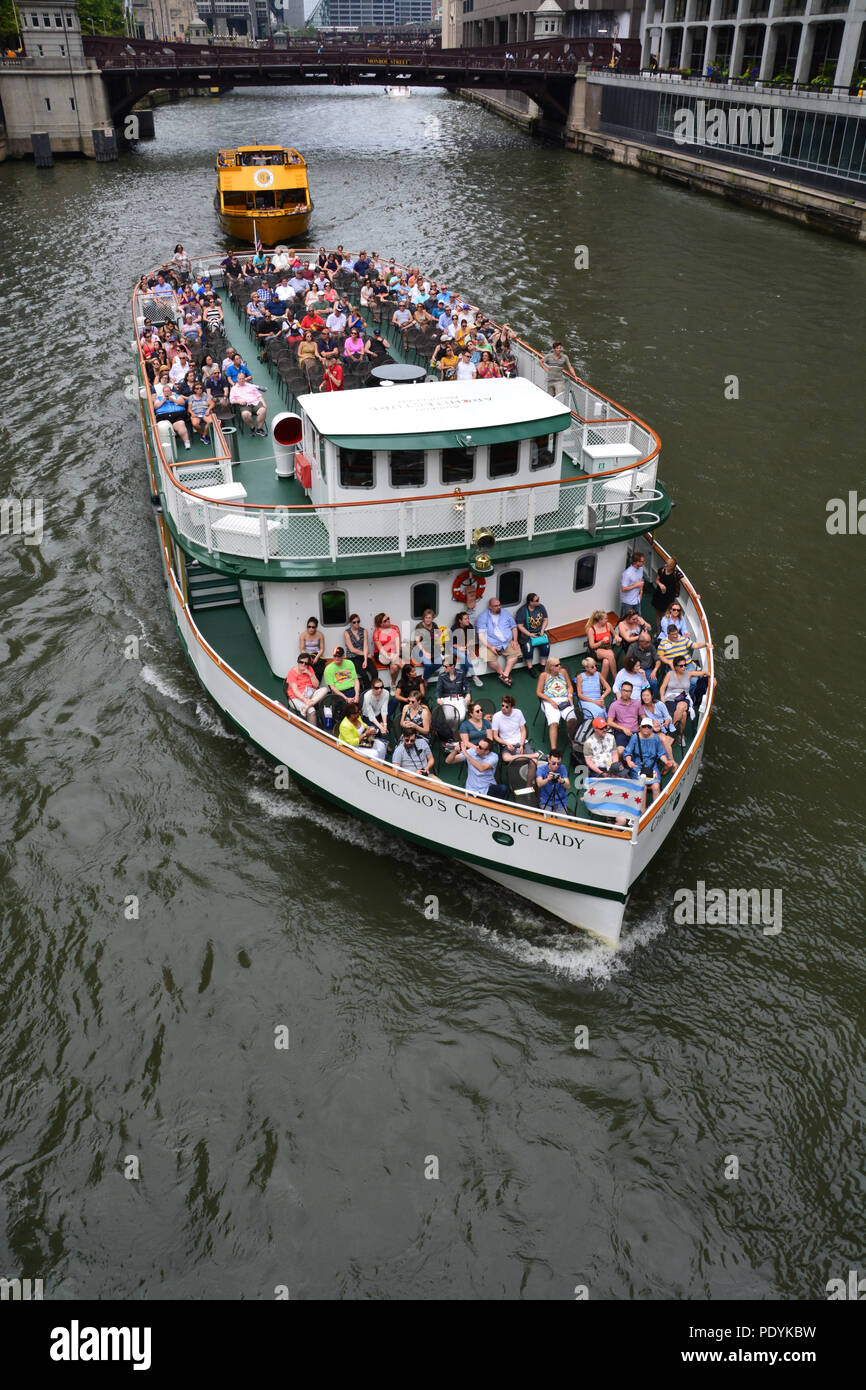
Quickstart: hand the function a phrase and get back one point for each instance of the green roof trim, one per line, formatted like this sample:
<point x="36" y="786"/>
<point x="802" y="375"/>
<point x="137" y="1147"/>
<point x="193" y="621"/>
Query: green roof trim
<point x="453" y="439"/>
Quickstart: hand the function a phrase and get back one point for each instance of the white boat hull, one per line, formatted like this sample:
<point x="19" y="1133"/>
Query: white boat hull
<point x="579" y="871"/>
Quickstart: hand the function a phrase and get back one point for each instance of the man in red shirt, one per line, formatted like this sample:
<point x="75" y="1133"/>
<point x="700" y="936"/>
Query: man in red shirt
<point x="333" y="377"/>
<point x="314" y="321"/>
<point x="302" y="689"/>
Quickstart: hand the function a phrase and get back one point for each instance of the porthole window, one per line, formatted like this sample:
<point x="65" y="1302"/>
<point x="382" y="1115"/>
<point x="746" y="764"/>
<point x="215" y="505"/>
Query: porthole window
<point x="335" y="608"/>
<point x="584" y="572"/>
<point x="424" y="596"/>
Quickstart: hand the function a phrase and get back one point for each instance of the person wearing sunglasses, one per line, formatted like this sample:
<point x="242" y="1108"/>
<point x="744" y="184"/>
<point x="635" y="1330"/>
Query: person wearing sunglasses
<point x="312" y="643"/>
<point x="378" y="705"/>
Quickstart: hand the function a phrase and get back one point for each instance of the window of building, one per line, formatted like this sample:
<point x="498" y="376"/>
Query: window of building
<point x="34" y="20"/>
<point x="424" y="595"/>
<point x="58" y="20"/>
<point x="356" y="468"/>
<point x="47" y="99"/>
<point x="46" y="21"/>
<point x="503" y="458"/>
<point x="541" y="451"/>
<point x="407" y="468"/>
<point x="335" y="608"/>
<point x="72" y="102"/>
<point x="458" y="465"/>
<point x="584" y="572"/>
<point x="509" y="588"/>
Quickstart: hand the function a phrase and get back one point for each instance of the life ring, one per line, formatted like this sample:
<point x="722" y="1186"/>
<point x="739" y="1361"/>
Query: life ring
<point x="263" y="177"/>
<point x="458" y="588"/>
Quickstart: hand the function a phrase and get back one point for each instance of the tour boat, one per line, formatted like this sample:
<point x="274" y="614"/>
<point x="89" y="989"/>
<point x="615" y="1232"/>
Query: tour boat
<point x="262" y="193"/>
<point x="390" y="501"/>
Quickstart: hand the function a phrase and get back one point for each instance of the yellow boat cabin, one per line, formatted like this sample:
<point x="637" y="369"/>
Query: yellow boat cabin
<point x="262" y="193"/>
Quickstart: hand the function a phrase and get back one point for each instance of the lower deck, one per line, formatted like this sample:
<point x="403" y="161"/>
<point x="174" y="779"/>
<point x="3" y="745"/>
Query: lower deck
<point x="228" y="630"/>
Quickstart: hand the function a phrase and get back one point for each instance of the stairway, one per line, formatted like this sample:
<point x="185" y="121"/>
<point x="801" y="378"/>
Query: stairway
<point x="209" y="589"/>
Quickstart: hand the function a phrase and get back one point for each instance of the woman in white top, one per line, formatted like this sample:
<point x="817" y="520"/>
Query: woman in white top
<point x="633" y="673"/>
<point x="553" y="689"/>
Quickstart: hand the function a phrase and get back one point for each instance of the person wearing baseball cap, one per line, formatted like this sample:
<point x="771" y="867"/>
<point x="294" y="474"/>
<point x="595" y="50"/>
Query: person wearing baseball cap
<point x="642" y="756"/>
<point x="601" y="753"/>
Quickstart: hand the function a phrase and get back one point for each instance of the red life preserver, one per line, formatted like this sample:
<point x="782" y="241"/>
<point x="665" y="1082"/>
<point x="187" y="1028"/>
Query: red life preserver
<point x="458" y="589"/>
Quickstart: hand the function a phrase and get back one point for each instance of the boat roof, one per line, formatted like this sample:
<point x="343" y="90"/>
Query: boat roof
<point x="436" y="415"/>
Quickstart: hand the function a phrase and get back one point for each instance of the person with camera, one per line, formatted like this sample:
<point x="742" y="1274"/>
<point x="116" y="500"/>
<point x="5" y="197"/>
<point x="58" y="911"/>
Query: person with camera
<point x="643" y="755"/>
<point x="413" y="754"/>
<point x="552" y="784"/>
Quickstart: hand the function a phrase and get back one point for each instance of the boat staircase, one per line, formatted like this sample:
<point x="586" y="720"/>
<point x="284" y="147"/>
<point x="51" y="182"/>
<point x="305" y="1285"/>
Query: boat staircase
<point x="209" y="589"/>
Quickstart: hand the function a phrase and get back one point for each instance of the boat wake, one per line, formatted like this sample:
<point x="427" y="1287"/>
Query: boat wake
<point x="289" y="806"/>
<point x="569" y="955"/>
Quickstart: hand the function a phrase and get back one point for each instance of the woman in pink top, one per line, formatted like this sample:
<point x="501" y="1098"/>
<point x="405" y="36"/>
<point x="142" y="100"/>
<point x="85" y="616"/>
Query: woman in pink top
<point x="354" y="346"/>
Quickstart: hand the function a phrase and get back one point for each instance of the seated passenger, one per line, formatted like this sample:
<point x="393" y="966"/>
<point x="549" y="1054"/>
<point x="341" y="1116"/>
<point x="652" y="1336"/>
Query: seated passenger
<point x="675" y="692"/>
<point x="311" y="643"/>
<point x="387" y="645"/>
<point x="235" y="367"/>
<point x="162" y="289"/>
<point x="674" y="644"/>
<point x="481" y="764"/>
<point x="624" y="715"/>
<point x="376" y="706"/>
<point x="411" y="681"/>
<point x="600" y="752"/>
<point x="644" y="752"/>
<point x="451" y="687"/>
<point x="486" y="367"/>
<point x="353" y="730"/>
<point x="645" y="652"/>
<point x="497" y="631"/>
<point x="674" y="617"/>
<point x="191" y="330"/>
<point x="200" y="409"/>
<point x="553" y="689"/>
<point x="465" y="370"/>
<point x="445" y="359"/>
<point x="600" y="640"/>
<point x="250" y="399"/>
<point x="551" y="784"/>
<point x="428" y="644"/>
<point x="302" y="689"/>
<point x="633" y="672"/>
<point x="630" y="627"/>
<point x="663" y="725"/>
<point x="357" y="643"/>
<point x="254" y="308"/>
<point x="402" y="317"/>
<point x="475" y="726"/>
<point x="415" y="714"/>
<point x="592" y="689"/>
<point x="413" y="754"/>
<point x="308" y="351"/>
<point x="508" y="726"/>
<point x="341" y="678"/>
<point x="169" y="405"/>
<point x="354" y="348"/>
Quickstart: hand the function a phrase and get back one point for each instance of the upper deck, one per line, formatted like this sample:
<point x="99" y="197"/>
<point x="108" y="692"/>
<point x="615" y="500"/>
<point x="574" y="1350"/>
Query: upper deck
<point x="400" y="477"/>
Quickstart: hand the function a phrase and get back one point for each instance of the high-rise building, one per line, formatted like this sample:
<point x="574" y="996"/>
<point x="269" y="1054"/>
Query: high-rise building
<point x="370" y="14"/>
<point x="480" y="23"/>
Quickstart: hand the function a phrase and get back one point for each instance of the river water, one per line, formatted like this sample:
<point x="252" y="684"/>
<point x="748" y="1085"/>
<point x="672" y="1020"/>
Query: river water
<point x="148" y="1044"/>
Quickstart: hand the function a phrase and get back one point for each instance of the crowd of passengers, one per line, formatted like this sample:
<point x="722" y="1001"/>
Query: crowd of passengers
<point x="196" y="377"/>
<point x="622" y="710"/>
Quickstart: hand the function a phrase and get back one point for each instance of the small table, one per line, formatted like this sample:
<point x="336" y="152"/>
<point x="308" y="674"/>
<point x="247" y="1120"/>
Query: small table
<point x="402" y="373"/>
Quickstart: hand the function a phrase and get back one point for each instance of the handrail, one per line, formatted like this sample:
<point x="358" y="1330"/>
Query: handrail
<point x="703" y="720"/>
<point x="627" y="416"/>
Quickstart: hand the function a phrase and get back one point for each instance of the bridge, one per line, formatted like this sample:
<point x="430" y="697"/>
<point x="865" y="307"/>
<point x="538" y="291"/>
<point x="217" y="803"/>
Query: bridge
<point x="544" y="71"/>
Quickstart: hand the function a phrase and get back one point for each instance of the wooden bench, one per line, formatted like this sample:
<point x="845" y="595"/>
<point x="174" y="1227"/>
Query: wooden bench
<point x="568" y="632"/>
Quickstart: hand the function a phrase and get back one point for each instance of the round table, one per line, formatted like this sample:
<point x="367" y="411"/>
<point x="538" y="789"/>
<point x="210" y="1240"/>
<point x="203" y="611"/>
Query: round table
<point x="399" y="372"/>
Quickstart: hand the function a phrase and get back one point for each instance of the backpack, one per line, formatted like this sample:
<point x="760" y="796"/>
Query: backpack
<point x="580" y="738"/>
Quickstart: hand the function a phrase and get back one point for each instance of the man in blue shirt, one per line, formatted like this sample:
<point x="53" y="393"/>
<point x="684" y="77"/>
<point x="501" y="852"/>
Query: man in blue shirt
<point x="497" y="643"/>
<point x="552" y="784"/>
<point x="481" y="763"/>
<point x="643" y="753"/>
<point x="236" y="365"/>
<point x="362" y="265"/>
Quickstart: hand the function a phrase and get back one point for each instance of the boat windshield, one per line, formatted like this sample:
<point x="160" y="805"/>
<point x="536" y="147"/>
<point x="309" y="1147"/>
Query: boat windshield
<point x="262" y="157"/>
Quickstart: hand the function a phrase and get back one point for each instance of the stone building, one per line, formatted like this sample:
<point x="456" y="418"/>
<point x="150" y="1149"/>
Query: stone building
<point x="52" y="89"/>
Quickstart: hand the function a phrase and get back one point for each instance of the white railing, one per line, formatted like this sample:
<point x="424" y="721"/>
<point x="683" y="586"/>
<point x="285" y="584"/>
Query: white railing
<point x="616" y="454"/>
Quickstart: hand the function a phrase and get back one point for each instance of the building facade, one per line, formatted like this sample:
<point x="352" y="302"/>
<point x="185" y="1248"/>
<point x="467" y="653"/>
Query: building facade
<point x="481" y="23"/>
<point x="163" y="19"/>
<point x="822" y="42"/>
<point x="370" y="14"/>
<point x="53" y="90"/>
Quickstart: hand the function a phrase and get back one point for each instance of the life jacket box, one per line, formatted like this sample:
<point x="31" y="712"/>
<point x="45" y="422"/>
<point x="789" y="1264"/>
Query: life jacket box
<point x="303" y="471"/>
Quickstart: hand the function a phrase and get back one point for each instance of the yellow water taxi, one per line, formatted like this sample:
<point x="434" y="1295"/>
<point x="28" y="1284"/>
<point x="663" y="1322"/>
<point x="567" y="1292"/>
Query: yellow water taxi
<point x="262" y="193"/>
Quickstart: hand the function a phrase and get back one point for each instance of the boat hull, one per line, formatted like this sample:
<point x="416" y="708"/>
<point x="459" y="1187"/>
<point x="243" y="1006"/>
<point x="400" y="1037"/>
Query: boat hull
<point x="580" y="872"/>
<point x="271" y="228"/>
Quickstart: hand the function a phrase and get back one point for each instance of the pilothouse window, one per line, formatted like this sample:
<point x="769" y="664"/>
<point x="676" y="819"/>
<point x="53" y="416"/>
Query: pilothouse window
<point x="356" y="468"/>
<point x="407" y="468"/>
<point x="503" y="458"/>
<point x="541" y="451"/>
<point x="458" y="465"/>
